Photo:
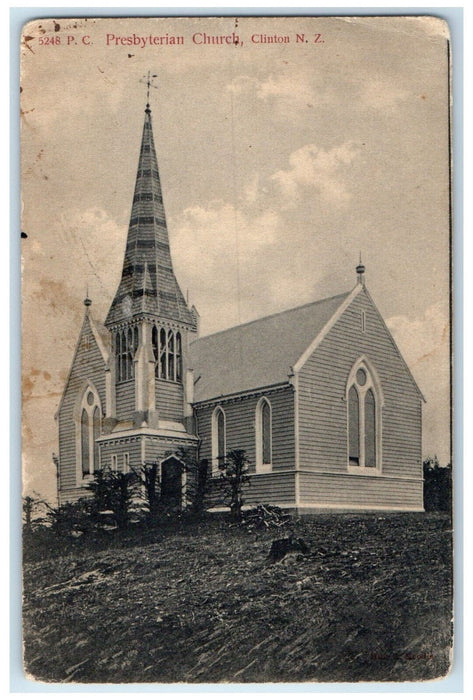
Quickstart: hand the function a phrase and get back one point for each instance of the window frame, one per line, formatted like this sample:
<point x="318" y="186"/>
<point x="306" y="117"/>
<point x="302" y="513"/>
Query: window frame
<point x="262" y="466"/>
<point x="372" y="384"/>
<point x="216" y="457"/>
<point x="83" y="406"/>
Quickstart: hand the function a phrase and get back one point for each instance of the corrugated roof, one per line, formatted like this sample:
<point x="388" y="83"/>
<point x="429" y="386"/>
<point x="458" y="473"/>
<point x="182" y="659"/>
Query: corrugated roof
<point x="259" y="353"/>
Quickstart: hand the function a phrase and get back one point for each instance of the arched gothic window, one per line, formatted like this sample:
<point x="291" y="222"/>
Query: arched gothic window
<point x="84" y="443"/>
<point x="162" y="354"/>
<point x="167" y="354"/>
<point x="126" y="345"/>
<point x="364" y="401"/>
<point x="88" y="429"/>
<point x="263" y="435"/>
<point x="170" y="355"/>
<point x="178" y="358"/>
<point x="218" y="439"/>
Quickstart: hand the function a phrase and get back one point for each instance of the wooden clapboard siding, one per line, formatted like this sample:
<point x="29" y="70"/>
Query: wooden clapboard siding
<point x="169" y="400"/>
<point x="322" y="388"/>
<point x="88" y="366"/>
<point x="240" y="417"/>
<point x="125" y="399"/>
<point x="73" y="494"/>
<point x="120" y="447"/>
<point x="345" y="490"/>
<point x="274" y="487"/>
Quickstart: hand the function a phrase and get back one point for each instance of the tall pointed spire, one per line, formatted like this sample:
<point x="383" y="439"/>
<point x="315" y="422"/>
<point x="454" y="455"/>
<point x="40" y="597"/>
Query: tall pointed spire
<point x="148" y="285"/>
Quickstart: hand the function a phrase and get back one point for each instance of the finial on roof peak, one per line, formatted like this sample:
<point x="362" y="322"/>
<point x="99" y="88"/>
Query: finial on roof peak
<point x="360" y="271"/>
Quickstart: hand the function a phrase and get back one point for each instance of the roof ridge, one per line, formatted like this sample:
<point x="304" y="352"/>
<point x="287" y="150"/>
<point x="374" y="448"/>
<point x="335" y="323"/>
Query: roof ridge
<point x="264" y="318"/>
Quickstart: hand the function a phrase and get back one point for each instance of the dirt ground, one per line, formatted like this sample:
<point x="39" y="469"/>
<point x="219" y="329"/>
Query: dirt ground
<point x="371" y="600"/>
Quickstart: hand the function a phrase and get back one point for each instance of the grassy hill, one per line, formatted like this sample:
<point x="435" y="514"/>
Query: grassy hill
<point x="201" y="603"/>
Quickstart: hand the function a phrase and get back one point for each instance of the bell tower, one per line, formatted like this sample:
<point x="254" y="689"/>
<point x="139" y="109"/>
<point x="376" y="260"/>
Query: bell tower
<point x="149" y="320"/>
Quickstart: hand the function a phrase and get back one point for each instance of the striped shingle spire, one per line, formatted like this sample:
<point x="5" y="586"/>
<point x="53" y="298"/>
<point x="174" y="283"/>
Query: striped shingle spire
<point x="148" y="285"/>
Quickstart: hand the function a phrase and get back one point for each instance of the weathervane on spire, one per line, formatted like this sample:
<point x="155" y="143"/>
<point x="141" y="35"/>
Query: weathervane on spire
<point x="148" y="81"/>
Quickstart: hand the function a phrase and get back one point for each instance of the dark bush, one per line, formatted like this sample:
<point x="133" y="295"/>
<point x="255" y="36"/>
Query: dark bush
<point x="437" y="486"/>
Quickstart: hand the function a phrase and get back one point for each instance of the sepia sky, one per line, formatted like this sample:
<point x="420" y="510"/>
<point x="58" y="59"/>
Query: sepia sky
<point x="279" y="162"/>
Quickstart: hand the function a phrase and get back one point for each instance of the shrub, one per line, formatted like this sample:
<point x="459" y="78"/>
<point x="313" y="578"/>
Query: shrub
<point x="437" y="486"/>
<point x="113" y="493"/>
<point x="234" y="475"/>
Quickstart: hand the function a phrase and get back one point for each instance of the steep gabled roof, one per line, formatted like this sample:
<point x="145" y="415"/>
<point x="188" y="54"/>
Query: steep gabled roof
<point x="148" y="284"/>
<point x="260" y="353"/>
<point x="102" y="338"/>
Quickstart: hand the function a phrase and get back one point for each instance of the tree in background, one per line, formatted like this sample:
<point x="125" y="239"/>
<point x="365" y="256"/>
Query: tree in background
<point x="437" y="485"/>
<point x="234" y="473"/>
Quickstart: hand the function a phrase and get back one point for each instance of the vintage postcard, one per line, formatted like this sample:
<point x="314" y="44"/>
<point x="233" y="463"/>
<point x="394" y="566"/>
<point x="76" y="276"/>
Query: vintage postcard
<point x="236" y="272"/>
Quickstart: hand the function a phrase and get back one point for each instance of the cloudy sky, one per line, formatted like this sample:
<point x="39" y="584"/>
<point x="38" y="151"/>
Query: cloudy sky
<point x="279" y="162"/>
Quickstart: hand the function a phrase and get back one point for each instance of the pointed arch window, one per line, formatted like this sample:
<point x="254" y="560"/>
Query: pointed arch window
<point x="126" y="346"/>
<point x="364" y="407"/>
<point x="88" y="414"/>
<point x="167" y="350"/>
<point x="154" y="343"/>
<point x="178" y="357"/>
<point x="170" y="355"/>
<point x="162" y="354"/>
<point x="84" y="443"/>
<point x="218" y="439"/>
<point x="263" y="435"/>
<point x="353" y="426"/>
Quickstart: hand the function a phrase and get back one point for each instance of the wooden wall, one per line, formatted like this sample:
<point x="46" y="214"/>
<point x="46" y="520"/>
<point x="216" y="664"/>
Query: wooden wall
<point x="170" y="400"/>
<point x="322" y="404"/>
<point x="88" y="365"/>
<point x="359" y="492"/>
<point x="125" y="399"/>
<point x="240" y="415"/>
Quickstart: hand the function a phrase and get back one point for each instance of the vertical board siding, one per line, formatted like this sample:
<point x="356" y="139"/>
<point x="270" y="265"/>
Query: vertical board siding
<point x="88" y="366"/>
<point x="322" y="391"/>
<point x="360" y="491"/>
<point x="170" y="400"/>
<point x="240" y="423"/>
<point x="125" y="399"/>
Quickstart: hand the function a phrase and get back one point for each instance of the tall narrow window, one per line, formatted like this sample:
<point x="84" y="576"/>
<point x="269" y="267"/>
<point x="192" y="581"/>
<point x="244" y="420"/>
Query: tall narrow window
<point x="84" y="442"/>
<point x="154" y="342"/>
<point x="129" y="354"/>
<point x="263" y="435"/>
<point x="170" y="355"/>
<point x="353" y="427"/>
<point x="221" y="438"/>
<point x="88" y="425"/>
<point x="266" y="430"/>
<point x="364" y="400"/>
<point x="370" y="429"/>
<point x="162" y="354"/>
<point x="218" y="439"/>
<point x="118" y="356"/>
<point x="178" y="357"/>
<point x="96" y="434"/>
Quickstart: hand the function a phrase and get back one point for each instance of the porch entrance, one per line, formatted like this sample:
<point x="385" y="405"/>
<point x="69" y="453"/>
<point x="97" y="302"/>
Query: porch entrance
<point x="171" y="483"/>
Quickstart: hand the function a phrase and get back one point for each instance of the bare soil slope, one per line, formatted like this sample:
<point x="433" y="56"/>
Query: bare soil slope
<point x="202" y="603"/>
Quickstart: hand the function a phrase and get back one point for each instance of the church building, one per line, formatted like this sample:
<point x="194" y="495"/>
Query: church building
<point x="319" y="396"/>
